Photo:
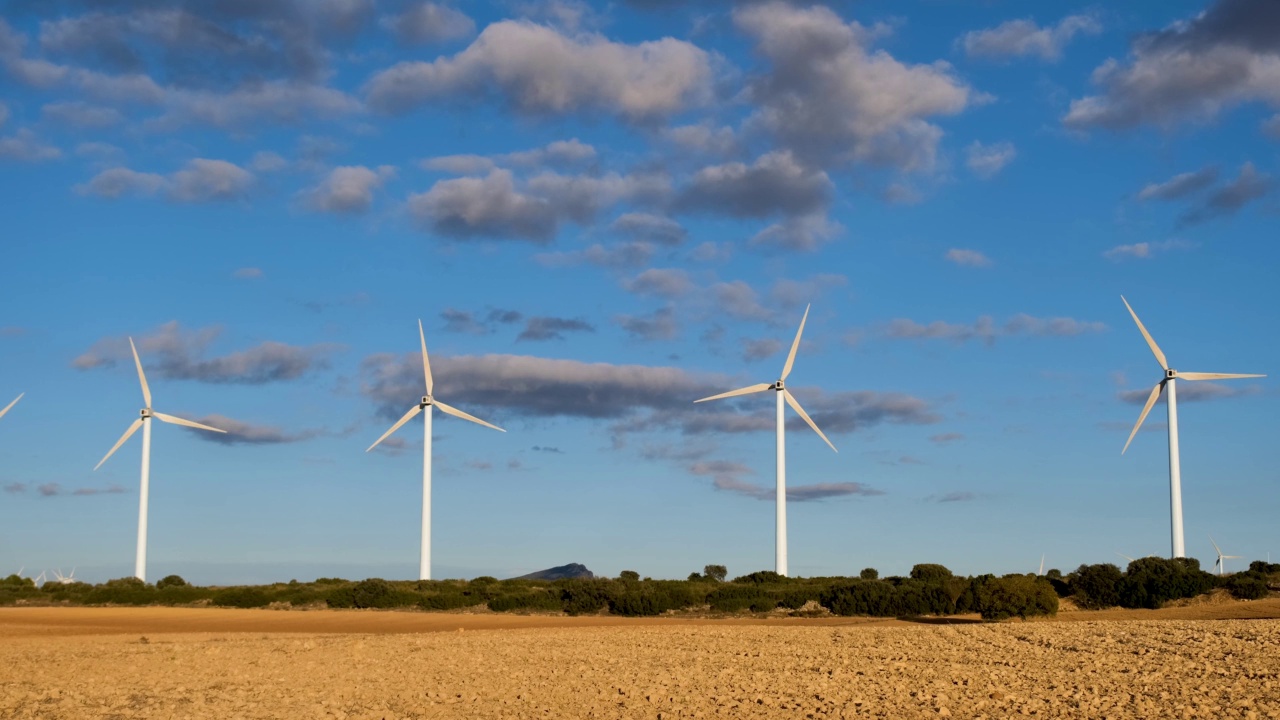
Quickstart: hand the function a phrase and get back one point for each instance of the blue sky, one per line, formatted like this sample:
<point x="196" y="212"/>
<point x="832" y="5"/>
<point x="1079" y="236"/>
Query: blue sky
<point x="602" y="213"/>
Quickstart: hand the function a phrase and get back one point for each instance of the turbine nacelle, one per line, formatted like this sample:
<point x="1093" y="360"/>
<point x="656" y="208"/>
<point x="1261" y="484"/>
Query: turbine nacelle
<point x="780" y="386"/>
<point x="146" y="413"/>
<point x="426" y="400"/>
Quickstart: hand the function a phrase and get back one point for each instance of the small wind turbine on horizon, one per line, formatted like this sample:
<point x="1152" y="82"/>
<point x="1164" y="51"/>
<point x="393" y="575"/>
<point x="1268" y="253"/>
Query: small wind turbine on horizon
<point x="1041" y="572"/>
<point x="1222" y="566"/>
<point x="1169" y="383"/>
<point x="1126" y="557"/>
<point x="64" y="579"/>
<point x="144" y="422"/>
<point x="426" y="403"/>
<point x="10" y="405"/>
<point x="783" y="395"/>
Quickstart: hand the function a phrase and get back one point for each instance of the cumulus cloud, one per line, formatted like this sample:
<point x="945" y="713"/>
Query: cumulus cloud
<point x="620" y="256"/>
<point x="968" y="258"/>
<point x="728" y="476"/>
<point x="179" y="354"/>
<point x="986" y="161"/>
<point x="1194" y="392"/>
<point x="659" y="325"/>
<point x="82" y="114"/>
<point x="1181" y="185"/>
<point x="804" y="233"/>
<point x="644" y="227"/>
<point x="987" y="330"/>
<point x="759" y="349"/>
<point x="1144" y="250"/>
<point x="26" y="147"/>
<point x="1248" y="186"/>
<point x="348" y="189"/>
<point x="239" y="432"/>
<point x="467" y="322"/>
<point x="776" y="183"/>
<point x="201" y="180"/>
<point x="1191" y="71"/>
<point x="660" y="282"/>
<point x="830" y="98"/>
<point x="429" y="22"/>
<point x="552" y="328"/>
<point x="1023" y="38"/>
<point x="704" y="138"/>
<point x="536" y="69"/>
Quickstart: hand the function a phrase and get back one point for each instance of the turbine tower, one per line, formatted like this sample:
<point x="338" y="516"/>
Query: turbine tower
<point x="1169" y="382"/>
<point x="779" y="387"/>
<point x="1222" y="566"/>
<point x="426" y="403"/>
<point x="144" y="422"/>
<point x="10" y="405"/>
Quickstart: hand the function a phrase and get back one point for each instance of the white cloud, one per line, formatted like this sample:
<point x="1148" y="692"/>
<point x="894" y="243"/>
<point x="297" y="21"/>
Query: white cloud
<point x="348" y="189"/>
<point x="1022" y="38"/>
<point x="968" y="258"/>
<point x="1144" y="250"/>
<point x="986" y="161"/>
<point x="201" y="180"/>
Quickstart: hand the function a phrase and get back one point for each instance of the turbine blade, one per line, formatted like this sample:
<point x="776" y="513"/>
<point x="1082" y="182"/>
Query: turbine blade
<point x="426" y="364"/>
<point x="1155" y="349"/>
<point x="127" y="434"/>
<point x="1215" y="546"/>
<point x="1155" y="394"/>
<point x="142" y="377"/>
<point x="451" y="410"/>
<point x="795" y="405"/>
<point x="6" y="407"/>
<point x="1232" y="557"/>
<point x="407" y="417"/>
<point x="795" y="345"/>
<point x="1126" y="557"/>
<point x="180" y="421"/>
<point x="740" y="391"/>
<point x="1213" y="376"/>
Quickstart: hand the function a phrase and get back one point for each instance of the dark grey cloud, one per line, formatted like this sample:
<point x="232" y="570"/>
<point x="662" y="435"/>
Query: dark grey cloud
<point x="536" y="69"/>
<point x="946" y="437"/>
<point x="775" y="184"/>
<point x="546" y="449"/>
<point x="478" y="323"/>
<point x="238" y="432"/>
<point x="540" y="328"/>
<point x="26" y="147"/>
<point x="759" y="349"/>
<point x="54" y="489"/>
<point x="650" y="228"/>
<point x="831" y="99"/>
<point x="1248" y="186"/>
<point x="661" y="324"/>
<point x="179" y="354"/>
<point x="955" y="496"/>
<point x="660" y="282"/>
<point x="987" y="330"/>
<point x="620" y="256"/>
<point x="81" y="114"/>
<point x="15" y="487"/>
<point x="1194" y="392"/>
<point x="428" y="22"/>
<point x="1191" y="71"/>
<point x="1181" y="185"/>
<point x="1023" y="37"/>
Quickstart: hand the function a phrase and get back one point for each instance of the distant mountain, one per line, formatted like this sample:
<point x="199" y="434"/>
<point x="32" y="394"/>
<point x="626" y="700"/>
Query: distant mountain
<point x="564" y="572"/>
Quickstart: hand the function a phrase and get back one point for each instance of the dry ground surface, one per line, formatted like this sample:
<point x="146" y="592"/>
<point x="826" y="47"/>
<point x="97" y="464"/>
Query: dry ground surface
<point x="1206" y="661"/>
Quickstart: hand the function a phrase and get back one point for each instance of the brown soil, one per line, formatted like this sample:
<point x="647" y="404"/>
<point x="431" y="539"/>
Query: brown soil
<point x="209" y="663"/>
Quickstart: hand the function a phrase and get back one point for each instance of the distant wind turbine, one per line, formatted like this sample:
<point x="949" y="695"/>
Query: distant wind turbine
<point x="1169" y="382"/>
<point x="426" y="403"/>
<point x="10" y="405"/>
<point x="1126" y="557"/>
<point x="1041" y="572"/>
<point x="1222" y="566"/>
<point x="144" y="422"/>
<point x="64" y="579"/>
<point x="782" y="395"/>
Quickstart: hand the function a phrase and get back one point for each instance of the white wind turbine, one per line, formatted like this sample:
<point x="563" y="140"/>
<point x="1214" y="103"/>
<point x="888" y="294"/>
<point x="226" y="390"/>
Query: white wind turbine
<point x="10" y="405"/>
<point x="64" y="579"/>
<point x="1169" y="382"/>
<point x="1222" y="566"/>
<point x="426" y="403"/>
<point x="144" y="422"/>
<point x="780" y="558"/>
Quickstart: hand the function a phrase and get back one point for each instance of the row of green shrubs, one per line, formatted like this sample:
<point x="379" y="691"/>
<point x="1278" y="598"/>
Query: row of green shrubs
<point x="930" y="589"/>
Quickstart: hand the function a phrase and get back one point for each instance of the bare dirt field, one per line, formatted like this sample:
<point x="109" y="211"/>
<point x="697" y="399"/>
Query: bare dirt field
<point x="1197" y="661"/>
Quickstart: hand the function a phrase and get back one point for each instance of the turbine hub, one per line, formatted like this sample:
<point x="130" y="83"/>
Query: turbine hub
<point x="426" y="400"/>
<point x="145" y="412"/>
<point x="1170" y="374"/>
<point x="779" y="386"/>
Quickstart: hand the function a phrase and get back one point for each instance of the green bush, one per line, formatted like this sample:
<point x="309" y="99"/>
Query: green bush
<point x="440" y="601"/>
<point x="860" y="597"/>
<point x="372" y="593"/>
<point x="1150" y="582"/>
<point x="869" y="574"/>
<point x="629" y="576"/>
<point x="1020" y="595"/>
<point x="735" y="598"/>
<point x="241" y="597"/>
<point x="1248" y="586"/>
<point x="170" y="581"/>
<point x="761" y="577"/>
<point x="930" y="572"/>
<point x="716" y="573"/>
<point x="582" y="597"/>
<point x="536" y="600"/>
<point x="1096" y="586"/>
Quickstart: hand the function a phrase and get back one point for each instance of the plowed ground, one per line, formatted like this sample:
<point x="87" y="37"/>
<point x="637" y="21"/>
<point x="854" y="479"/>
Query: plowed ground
<point x="205" y="663"/>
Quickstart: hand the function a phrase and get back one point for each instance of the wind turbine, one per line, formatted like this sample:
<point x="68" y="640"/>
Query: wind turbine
<point x="1041" y="572"/>
<point x="10" y="405"/>
<point x="1126" y="557"/>
<point x="1169" y="382"/>
<point x="780" y="557"/>
<point x="426" y="403"/>
<point x="144" y="422"/>
<point x="64" y="579"/>
<point x="1222" y="566"/>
